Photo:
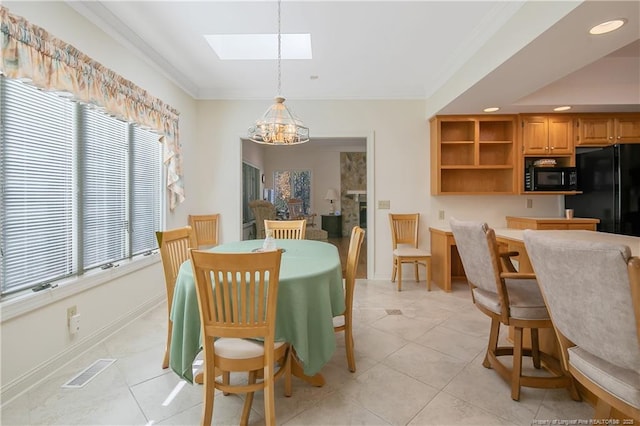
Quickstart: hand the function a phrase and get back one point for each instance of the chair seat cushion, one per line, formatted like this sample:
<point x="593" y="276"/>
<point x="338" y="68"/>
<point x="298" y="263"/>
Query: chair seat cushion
<point x="338" y="321"/>
<point x="410" y="252"/>
<point x="622" y="382"/>
<point x="234" y="348"/>
<point x="525" y="300"/>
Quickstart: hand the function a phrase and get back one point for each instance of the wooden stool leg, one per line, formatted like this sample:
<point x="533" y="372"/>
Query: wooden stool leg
<point x="493" y="341"/>
<point x="535" y="348"/>
<point x="517" y="364"/>
<point x="428" y="274"/>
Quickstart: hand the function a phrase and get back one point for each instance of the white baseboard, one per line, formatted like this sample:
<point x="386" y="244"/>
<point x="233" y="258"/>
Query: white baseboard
<point x="40" y="373"/>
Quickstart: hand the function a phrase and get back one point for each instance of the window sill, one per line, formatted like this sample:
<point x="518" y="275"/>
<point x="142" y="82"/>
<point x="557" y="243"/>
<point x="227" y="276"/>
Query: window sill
<point x="27" y="301"/>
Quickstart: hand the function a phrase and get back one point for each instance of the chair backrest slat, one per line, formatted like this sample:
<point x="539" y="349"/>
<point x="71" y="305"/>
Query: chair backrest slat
<point x="353" y="256"/>
<point x="174" y="245"/>
<point x="286" y="229"/>
<point x="240" y="300"/>
<point x="404" y="228"/>
<point x="205" y="228"/>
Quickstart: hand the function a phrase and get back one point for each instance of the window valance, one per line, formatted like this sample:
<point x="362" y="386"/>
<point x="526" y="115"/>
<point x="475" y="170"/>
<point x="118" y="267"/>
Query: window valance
<point x="30" y="53"/>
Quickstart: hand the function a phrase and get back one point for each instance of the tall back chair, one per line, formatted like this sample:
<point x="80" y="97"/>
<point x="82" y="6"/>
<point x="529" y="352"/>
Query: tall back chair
<point x="512" y="299"/>
<point x="286" y="229"/>
<point x="344" y="322"/>
<point x="174" y="247"/>
<point x="262" y="210"/>
<point x="592" y="291"/>
<point x="296" y="211"/>
<point x="237" y="300"/>
<point x="205" y="228"/>
<point x="404" y="237"/>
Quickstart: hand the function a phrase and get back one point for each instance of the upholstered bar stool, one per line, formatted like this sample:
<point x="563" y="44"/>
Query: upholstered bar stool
<point x="593" y="294"/>
<point x="508" y="298"/>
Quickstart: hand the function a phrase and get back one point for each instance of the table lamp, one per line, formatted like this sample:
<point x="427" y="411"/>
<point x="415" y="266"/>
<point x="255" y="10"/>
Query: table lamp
<point x="331" y="195"/>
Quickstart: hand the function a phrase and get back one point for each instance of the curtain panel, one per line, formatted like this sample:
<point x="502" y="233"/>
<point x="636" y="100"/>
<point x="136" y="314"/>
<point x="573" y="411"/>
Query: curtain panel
<point x="30" y="53"/>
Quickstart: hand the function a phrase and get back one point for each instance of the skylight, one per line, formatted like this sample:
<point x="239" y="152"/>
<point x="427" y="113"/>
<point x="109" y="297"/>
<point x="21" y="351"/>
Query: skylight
<point x="259" y="46"/>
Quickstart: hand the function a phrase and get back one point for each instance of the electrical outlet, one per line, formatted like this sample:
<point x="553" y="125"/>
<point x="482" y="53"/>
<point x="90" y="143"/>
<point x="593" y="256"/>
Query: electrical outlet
<point x="74" y="324"/>
<point x="529" y="203"/>
<point x="71" y="311"/>
<point x="441" y="214"/>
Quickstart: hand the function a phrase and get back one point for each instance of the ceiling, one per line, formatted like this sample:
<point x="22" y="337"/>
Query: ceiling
<point x="460" y="56"/>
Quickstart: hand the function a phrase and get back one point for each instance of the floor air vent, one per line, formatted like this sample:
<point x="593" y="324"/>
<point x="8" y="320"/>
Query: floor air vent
<point x="86" y="375"/>
<point x="393" y="311"/>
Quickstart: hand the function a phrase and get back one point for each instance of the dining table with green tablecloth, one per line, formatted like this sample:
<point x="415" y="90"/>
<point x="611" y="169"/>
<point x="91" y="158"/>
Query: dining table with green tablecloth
<point x="310" y="294"/>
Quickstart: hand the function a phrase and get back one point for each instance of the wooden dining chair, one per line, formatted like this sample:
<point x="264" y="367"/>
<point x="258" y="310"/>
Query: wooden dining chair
<point x="344" y="322"/>
<point x="286" y="229"/>
<point x="296" y="211"/>
<point x="237" y="300"/>
<point x="404" y="237"/>
<point x="508" y="298"/>
<point x="174" y="245"/>
<point x="592" y="290"/>
<point x="205" y="228"/>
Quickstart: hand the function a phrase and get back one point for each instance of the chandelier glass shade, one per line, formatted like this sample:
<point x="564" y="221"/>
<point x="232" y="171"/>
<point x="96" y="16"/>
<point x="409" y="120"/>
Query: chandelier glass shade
<point x="278" y="126"/>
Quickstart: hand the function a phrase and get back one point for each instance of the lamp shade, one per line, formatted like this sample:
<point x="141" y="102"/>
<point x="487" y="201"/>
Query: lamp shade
<point x="331" y="195"/>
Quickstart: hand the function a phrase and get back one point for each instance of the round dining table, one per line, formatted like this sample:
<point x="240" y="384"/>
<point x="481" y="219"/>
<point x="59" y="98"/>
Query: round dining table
<point x="310" y="294"/>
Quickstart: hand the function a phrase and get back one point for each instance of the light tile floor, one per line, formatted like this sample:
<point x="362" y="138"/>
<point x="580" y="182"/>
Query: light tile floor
<point x="423" y="367"/>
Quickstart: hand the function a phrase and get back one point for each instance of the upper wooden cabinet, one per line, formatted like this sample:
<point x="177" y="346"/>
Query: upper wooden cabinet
<point x="602" y="130"/>
<point x="473" y="154"/>
<point x="547" y="134"/>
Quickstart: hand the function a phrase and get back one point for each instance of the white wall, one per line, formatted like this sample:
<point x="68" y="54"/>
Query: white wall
<point x="401" y="163"/>
<point x="36" y="342"/>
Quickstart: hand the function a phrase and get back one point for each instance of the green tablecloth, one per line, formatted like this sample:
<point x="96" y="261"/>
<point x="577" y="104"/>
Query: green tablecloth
<point x="309" y="296"/>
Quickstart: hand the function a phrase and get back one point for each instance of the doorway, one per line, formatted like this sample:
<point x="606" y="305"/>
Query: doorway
<point x="322" y="157"/>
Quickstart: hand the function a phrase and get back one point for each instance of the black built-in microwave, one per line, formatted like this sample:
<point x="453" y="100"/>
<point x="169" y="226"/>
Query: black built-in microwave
<point x="551" y="179"/>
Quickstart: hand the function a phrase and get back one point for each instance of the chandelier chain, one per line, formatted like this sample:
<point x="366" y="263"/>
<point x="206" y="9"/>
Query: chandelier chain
<point x="279" y="53"/>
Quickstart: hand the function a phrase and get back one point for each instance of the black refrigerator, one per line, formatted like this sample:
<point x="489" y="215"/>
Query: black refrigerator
<point x="609" y="179"/>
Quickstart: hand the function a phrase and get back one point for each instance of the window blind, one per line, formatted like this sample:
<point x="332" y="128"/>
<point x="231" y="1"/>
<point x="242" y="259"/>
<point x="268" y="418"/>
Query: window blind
<point x="146" y="197"/>
<point x="105" y="159"/>
<point x="38" y="186"/>
<point x="79" y="189"/>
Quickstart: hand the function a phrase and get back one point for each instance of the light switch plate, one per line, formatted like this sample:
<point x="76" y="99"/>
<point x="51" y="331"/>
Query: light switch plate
<point x="384" y="204"/>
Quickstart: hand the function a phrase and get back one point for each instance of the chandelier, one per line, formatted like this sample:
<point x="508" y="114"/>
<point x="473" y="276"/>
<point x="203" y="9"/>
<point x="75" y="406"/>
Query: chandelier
<point x="278" y="126"/>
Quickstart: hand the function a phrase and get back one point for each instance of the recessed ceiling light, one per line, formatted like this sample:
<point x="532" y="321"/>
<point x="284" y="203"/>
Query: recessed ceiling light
<point x="491" y="109"/>
<point x="562" y="108"/>
<point x="607" y="27"/>
<point x="260" y="46"/>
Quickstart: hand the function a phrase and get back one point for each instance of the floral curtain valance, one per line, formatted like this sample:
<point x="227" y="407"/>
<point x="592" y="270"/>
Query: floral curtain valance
<point x="28" y="52"/>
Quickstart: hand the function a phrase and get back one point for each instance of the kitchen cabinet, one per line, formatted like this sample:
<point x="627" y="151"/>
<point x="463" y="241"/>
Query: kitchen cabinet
<point x="602" y="130"/>
<point x="547" y="135"/>
<point x="473" y="155"/>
